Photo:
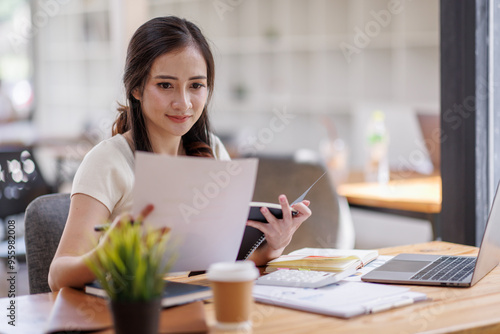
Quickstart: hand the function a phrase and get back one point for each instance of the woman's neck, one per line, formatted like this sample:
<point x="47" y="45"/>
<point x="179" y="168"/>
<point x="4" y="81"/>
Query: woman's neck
<point x="171" y="146"/>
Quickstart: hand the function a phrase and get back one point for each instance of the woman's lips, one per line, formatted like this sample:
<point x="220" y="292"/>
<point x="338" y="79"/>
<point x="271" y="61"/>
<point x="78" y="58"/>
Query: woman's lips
<point x="178" y="119"/>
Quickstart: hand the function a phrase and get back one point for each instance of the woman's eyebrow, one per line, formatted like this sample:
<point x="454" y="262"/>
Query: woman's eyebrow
<point x="170" y="77"/>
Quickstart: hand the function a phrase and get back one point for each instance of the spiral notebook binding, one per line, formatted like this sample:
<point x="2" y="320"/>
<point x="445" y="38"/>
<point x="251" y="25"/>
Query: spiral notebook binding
<point x="255" y="245"/>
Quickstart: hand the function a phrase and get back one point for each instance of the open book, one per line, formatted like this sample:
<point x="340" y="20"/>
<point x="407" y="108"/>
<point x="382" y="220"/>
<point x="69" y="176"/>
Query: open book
<point x="252" y="237"/>
<point x="323" y="259"/>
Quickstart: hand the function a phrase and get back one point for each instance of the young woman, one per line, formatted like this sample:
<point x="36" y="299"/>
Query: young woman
<point x="169" y="79"/>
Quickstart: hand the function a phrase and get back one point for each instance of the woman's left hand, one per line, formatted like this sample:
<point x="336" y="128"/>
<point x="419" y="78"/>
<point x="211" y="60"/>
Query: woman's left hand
<point x="279" y="232"/>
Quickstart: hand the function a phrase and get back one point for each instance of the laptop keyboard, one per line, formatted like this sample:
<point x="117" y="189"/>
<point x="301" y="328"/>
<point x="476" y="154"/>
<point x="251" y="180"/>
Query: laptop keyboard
<point x="447" y="268"/>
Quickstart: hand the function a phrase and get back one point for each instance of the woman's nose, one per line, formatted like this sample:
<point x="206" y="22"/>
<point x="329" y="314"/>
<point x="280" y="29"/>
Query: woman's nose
<point x="182" y="101"/>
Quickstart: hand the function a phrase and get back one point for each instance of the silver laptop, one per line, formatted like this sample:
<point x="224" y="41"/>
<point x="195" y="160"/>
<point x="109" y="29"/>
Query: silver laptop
<point x="445" y="270"/>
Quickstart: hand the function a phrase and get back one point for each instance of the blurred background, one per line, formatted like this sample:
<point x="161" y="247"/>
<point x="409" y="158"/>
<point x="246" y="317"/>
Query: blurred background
<point x="316" y="79"/>
<point x="327" y="64"/>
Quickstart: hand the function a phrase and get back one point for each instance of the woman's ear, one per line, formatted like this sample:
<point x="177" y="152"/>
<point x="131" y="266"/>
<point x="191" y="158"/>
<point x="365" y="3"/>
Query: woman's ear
<point x="136" y="93"/>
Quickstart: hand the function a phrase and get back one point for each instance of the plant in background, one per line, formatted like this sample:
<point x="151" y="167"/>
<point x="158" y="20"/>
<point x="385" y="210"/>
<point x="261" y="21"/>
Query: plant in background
<point x="377" y="167"/>
<point x="130" y="265"/>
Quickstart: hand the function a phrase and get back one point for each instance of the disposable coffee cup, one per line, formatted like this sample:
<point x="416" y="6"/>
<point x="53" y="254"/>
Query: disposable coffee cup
<point x="232" y="284"/>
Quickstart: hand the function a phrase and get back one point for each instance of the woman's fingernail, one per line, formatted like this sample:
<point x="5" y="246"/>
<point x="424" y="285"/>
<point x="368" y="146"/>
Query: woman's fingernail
<point x="263" y="209"/>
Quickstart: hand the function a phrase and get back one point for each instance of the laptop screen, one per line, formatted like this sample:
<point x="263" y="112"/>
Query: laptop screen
<point x="489" y="253"/>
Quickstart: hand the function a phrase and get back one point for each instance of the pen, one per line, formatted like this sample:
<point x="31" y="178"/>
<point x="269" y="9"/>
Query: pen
<point x="104" y="227"/>
<point x="100" y="228"/>
<point x="139" y="219"/>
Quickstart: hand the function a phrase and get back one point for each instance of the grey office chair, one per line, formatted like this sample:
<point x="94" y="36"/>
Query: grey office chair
<point x="44" y="223"/>
<point x="284" y="175"/>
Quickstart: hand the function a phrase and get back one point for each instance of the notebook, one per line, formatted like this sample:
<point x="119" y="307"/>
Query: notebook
<point x="252" y="237"/>
<point x="175" y="293"/>
<point x="464" y="271"/>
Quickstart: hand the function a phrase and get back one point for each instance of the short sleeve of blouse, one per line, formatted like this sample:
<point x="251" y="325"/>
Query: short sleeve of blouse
<point x="106" y="172"/>
<point x="220" y="151"/>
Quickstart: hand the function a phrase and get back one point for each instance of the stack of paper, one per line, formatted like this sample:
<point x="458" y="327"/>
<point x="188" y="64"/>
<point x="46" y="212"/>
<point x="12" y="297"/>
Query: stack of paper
<point x="323" y="259"/>
<point x="343" y="299"/>
<point x="203" y="201"/>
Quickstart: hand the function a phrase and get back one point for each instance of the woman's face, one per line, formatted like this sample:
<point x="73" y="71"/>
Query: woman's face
<point x="175" y="93"/>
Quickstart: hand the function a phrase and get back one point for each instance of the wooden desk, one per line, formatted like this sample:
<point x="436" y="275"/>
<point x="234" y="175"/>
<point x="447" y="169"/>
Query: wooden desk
<point x="451" y="310"/>
<point x="419" y="195"/>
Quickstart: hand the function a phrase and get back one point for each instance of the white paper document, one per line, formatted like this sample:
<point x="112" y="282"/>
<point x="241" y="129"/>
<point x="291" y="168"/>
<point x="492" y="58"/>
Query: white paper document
<point x="204" y="201"/>
<point x="343" y="299"/>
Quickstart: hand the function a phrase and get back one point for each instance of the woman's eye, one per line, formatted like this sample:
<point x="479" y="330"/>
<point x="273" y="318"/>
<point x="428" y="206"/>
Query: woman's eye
<point x="164" y="85"/>
<point x="198" y="85"/>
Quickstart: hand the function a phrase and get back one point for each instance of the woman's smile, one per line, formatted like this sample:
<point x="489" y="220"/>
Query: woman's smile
<point x="178" y="119"/>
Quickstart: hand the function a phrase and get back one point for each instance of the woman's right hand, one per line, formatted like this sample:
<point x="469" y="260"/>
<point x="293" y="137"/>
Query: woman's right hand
<point x="123" y="219"/>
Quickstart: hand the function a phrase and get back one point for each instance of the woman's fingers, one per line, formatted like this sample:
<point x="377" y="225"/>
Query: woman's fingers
<point x="285" y="208"/>
<point x="271" y="219"/>
<point x="279" y="232"/>
<point x="263" y="227"/>
<point x="164" y="230"/>
<point x="126" y="217"/>
<point x="303" y="208"/>
<point x="145" y="212"/>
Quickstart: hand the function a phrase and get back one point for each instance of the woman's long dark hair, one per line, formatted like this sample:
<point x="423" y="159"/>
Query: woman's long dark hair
<point x="154" y="38"/>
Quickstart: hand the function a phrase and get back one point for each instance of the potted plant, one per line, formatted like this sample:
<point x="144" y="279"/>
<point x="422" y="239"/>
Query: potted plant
<point x="130" y="265"/>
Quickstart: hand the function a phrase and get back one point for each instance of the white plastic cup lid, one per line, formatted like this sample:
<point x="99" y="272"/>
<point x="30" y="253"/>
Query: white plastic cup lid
<point x="239" y="271"/>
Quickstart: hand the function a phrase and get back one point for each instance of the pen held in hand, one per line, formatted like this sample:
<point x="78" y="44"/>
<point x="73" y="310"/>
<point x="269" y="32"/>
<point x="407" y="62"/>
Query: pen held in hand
<point x="105" y="227"/>
<point x="301" y="197"/>
<point x="101" y="228"/>
<point x="144" y="213"/>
